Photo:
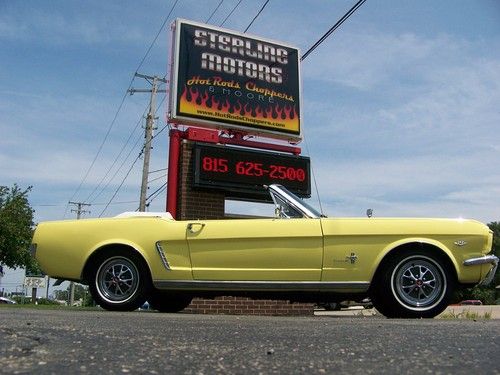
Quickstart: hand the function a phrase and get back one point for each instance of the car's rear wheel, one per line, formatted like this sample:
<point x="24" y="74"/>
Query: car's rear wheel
<point x="413" y="284"/>
<point x="119" y="281"/>
<point x="168" y="302"/>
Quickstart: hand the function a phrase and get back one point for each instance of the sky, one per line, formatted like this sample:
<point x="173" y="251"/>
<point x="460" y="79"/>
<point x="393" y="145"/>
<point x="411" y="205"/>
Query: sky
<point x="400" y="105"/>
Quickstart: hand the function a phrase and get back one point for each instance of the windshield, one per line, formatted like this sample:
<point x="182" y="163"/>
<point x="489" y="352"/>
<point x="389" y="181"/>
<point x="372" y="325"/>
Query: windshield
<point x="289" y="205"/>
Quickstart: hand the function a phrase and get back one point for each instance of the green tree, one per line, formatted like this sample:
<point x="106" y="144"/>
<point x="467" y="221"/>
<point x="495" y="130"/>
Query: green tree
<point x="487" y="294"/>
<point x="495" y="227"/>
<point x="61" y="295"/>
<point x="81" y="292"/>
<point x="16" y="227"/>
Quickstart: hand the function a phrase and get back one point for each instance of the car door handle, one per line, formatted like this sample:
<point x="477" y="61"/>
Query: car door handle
<point x="195" y="227"/>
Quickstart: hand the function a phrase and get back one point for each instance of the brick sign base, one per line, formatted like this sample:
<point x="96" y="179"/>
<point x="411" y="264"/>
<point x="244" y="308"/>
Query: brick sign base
<point x="247" y="306"/>
<point x="209" y="204"/>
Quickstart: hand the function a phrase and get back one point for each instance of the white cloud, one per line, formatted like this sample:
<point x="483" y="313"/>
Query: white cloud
<point x="420" y="186"/>
<point x="410" y="128"/>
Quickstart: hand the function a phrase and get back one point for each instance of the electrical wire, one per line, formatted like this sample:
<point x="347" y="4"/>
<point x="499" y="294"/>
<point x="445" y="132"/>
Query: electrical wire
<point x="311" y="49"/>
<point x="160" y="131"/>
<point x="157" y="178"/>
<point x="230" y="13"/>
<point x="158" y="170"/>
<point x="160" y="191"/>
<point x="114" y="203"/>
<point x="120" y="186"/>
<point x="215" y="10"/>
<point x="126" y="158"/>
<point x="156" y="37"/>
<point x="117" y="157"/>
<point x="156" y="193"/>
<point x="101" y="146"/>
<point x="257" y="15"/>
<point x="304" y="56"/>
<point x="333" y="28"/>
<point x="139" y="138"/>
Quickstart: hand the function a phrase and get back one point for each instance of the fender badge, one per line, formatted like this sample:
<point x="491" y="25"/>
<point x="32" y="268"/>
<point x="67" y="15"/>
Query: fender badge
<point x="352" y="258"/>
<point x="460" y="243"/>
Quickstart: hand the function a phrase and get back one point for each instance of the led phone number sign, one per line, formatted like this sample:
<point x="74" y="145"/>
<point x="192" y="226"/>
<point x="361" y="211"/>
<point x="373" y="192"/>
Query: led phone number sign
<point x="240" y="170"/>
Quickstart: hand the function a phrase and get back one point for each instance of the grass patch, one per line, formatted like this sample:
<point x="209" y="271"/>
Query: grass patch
<point x="465" y="314"/>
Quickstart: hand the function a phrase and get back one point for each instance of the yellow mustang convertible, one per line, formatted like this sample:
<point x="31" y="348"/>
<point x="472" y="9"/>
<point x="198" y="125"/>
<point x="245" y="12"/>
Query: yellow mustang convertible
<point x="408" y="267"/>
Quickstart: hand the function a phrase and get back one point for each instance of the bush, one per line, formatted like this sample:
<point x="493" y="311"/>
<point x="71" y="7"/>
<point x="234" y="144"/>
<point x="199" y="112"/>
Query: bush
<point x="485" y="294"/>
<point x="45" y="301"/>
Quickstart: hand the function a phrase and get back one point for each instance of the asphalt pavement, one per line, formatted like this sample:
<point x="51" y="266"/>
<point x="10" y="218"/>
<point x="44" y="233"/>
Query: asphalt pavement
<point x="451" y="312"/>
<point x="100" y="342"/>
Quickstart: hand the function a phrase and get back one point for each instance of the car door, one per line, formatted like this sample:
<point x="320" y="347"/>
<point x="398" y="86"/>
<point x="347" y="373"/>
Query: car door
<point x="256" y="249"/>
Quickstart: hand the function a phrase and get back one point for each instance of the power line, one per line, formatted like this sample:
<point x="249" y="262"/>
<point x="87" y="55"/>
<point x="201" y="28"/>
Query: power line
<point x="230" y="13"/>
<point x="158" y="170"/>
<point x="117" y="157"/>
<point x="156" y="193"/>
<point x="114" y="203"/>
<point x="157" y="178"/>
<point x="120" y="186"/>
<point x="79" y="209"/>
<point x="121" y="105"/>
<point x="139" y="138"/>
<point x="257" y="15"/>
<point x="215" y="10"/>
<point x="111" y="125"/>
<point x="156" y="38"/>
<point x="333" y="28"/>
<point x="120" y="153"/>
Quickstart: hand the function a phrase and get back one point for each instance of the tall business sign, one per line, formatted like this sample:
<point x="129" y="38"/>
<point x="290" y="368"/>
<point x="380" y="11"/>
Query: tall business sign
<point x="226" y="80"/>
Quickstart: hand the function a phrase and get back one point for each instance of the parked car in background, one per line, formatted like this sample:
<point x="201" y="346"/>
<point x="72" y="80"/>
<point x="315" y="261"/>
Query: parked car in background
<point x="5" y="300"/>
<point x="409" y="268"/>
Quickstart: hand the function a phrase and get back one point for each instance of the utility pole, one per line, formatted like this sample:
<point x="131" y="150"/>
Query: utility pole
<point x="150" y="119"/>
<point x="79" y="211"/>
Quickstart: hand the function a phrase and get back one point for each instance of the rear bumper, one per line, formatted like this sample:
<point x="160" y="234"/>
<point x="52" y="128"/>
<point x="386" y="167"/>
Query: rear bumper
<point x="486" y="259"/>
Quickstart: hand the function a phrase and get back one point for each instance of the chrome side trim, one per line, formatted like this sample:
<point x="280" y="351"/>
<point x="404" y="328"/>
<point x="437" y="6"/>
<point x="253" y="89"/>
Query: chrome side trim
<point x="162" y="256"/>
<point x="290" y="286"/>
<point x="481" y="260"/>
<point x="486" y="259"/>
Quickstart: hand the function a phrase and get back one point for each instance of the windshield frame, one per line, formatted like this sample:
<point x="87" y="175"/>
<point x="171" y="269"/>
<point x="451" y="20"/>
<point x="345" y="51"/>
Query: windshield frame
<point x="293" y="201"/>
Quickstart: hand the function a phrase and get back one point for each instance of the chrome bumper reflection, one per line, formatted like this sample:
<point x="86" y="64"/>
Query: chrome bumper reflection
<point x="487" y="259"/>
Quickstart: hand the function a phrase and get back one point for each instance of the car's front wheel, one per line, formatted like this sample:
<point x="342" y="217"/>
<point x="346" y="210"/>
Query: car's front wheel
<point x="119" y="281"/>
<point x="413" y="284"/>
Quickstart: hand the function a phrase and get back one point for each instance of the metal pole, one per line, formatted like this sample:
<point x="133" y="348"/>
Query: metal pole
<point x="79" y="212"/>
<point x="173" y="171"/>
<point x="150" y="119"/>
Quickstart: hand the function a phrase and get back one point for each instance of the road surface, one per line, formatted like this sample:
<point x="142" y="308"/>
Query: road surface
<point x="100" y="342"/>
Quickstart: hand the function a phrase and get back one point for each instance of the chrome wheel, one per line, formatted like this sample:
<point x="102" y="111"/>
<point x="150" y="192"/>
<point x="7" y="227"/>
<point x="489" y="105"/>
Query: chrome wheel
<point x="418" y="282"/>
<point x="117" y="280"/>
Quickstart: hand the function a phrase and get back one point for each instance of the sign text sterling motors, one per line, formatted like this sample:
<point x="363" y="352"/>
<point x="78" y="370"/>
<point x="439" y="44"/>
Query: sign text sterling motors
<point x="223" y="79"/>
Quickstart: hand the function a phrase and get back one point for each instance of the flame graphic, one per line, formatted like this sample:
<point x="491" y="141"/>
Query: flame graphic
<point x="194" y="101"/>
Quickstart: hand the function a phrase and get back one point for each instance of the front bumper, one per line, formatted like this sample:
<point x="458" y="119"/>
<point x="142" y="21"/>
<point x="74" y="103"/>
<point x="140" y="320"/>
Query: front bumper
<point x="486" y="259"/>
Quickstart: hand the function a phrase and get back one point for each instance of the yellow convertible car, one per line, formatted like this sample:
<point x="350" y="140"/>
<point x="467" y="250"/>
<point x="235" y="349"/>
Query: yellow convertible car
<point x="408" y="267"/>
